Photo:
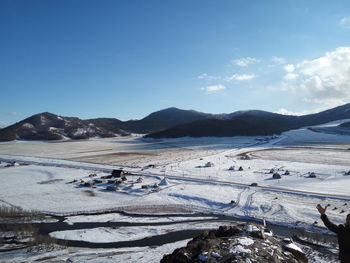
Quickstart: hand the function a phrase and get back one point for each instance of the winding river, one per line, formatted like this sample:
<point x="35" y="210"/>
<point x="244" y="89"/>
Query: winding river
<point x="157" y="240"/>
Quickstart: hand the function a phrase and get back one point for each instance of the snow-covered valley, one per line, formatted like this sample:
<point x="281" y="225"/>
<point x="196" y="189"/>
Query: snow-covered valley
<point x="280" y="179"/>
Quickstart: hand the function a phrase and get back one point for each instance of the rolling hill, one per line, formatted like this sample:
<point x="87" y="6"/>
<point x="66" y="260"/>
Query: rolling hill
<point x="254" y="122"/>
<point x="168" y="123"/>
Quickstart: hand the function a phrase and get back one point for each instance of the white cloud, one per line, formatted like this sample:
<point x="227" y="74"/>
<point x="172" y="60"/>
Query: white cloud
<point x="325" y="80"/>
<point x="213" y="88"/>
<point x="244" y="62"/>
<point x="289" y="68"/>
<point x="345" y="22"/>
<point x="278" y="60"/>
<point x="205" y="76"/>
<point x="240" y="77"/>
<point x="291" y="76"/>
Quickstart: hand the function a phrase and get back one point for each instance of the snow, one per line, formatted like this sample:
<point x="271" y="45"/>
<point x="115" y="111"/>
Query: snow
<point x="28" y="125"/>
<point x="215" y="255"/>
<point x="251" y="228"/>
<point x="117" y="217"/>
<point x="178" y="166"/>
<point x="107" y="234"/>
<point x="245" y="241"/>
<point x="203" y="256"/>
<point x="239" y="249"/>
<point x="294" y="247"/>
<point x="90" y="255"/>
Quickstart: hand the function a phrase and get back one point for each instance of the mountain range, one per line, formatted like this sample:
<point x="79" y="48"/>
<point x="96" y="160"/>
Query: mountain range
<point x="167" y="123"/>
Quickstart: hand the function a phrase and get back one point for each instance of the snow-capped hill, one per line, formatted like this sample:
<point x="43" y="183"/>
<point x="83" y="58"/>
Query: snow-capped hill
<point x="170" y="123"/>
<point x="251" y="123"/>
<point x="48" y="126"/>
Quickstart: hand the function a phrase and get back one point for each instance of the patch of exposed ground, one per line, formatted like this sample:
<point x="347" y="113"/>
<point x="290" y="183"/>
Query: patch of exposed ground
<point x="333" y="156"/>
<point x="143" y="158"/>
<point x="161" y="209"/>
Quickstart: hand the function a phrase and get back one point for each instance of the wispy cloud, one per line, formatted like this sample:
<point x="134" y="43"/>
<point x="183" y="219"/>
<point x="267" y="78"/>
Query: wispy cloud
<point x="245" y="62"/>
<point x="9" y="113"/>
<point x="345" y="22"/>
<point x="3" y="124"/>
<point x="278" y="60"/>
<point x="213" y="88"/>
<point x="325" y="80"/>
<point x="205" y="76"/>
<point x="289" y="68"/>
<point x="240" y="77"/>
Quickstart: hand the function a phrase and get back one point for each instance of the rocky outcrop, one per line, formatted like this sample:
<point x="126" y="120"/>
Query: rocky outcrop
<point x="244" y="243"/>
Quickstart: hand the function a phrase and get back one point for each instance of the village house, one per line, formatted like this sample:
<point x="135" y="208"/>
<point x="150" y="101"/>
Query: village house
<point x="117" y="173"/>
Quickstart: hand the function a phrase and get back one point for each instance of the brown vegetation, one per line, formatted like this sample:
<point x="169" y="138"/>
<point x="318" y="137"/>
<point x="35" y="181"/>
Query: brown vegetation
<point x="17" y="229"/>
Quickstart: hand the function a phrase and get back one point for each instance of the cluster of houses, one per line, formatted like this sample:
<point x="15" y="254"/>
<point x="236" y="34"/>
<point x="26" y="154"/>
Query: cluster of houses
<point x="118" y="178"/>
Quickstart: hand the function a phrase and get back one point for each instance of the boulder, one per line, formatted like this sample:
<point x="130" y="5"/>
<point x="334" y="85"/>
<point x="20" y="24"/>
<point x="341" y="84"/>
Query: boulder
<point x="241" y="243"/>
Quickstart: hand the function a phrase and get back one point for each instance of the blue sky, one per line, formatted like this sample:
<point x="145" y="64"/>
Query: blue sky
<point x="126" y="59"/>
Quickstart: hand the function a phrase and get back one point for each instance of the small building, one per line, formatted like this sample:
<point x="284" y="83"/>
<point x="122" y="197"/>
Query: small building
<point x="98" y="181"/>
<point x="209" y="164"/>
<point x="276" y="176"/>
<point x="164" y="182"/>
<point x="124" y="178"/>
<point x="232" y="168"/>
<point x="87" y="184"/>
<point x="155" y="188"/>
<point x="112" y="181"/>
<point x="119" y="182"/>
<point x="240" y="168"/>
<point x="245" y="157"/>
<point x="312" y="175"/>
<point x="139" y="180"/>
<point x="117" y="173"/>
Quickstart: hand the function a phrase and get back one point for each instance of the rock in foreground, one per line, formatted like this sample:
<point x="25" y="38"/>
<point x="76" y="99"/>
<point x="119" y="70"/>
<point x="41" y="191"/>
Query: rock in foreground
<point x="242" y="244"/>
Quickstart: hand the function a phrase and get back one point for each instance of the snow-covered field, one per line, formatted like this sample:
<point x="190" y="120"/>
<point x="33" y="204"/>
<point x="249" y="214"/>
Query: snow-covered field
<point x="202" y="175"/>
<point x="107" y="234"/>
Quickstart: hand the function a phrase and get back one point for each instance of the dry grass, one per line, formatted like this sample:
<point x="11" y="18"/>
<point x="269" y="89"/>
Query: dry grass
<point x="17" y="222"/>
<point x="13" y="214"/>
<point x="50" y="181"/>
